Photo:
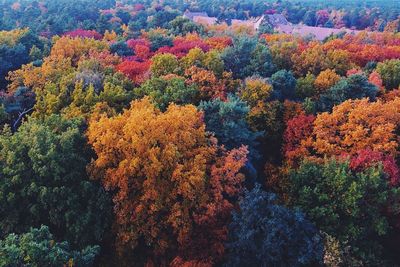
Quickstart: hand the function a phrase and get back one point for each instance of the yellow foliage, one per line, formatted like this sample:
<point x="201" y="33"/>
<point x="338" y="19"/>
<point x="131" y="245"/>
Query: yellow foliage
<point x="325" y="80"/>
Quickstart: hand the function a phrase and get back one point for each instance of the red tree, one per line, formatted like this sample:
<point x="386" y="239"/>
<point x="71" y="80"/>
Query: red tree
<point x="134" y="70"/>
<point x="297" y="138"/>
<point x="366" y="158"/>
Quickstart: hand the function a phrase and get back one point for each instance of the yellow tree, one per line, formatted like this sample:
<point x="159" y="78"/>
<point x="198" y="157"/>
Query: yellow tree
<point x="255" y="90"/>
<point x="358" y="124"/>
<point x="325" y="80"/>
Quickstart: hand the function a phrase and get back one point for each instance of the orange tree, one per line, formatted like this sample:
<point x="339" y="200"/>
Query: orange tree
<point x="173" y="186"/>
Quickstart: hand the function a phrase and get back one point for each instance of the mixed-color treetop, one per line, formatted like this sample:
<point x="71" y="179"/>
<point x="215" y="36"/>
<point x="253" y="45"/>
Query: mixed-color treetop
<point x="199" y="133"/>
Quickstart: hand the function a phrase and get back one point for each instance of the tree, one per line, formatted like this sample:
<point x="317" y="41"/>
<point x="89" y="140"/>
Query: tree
<point x="121" y="49"/>
<point x="15" y="46"/>
<point x="325" y="80"/>
<point x="134" y="70"/>
<point x="183" y="26"/>
<point x="261" y="61"/>
<point x="159" y="39"/>
<point x="163" y="64"/>
<point x="264" y="233"/>
<point x="237" y="58"/>
<point x="322" y="16"/>
<point x="346" y="205"/>
<point x="354" y="87"/>
<point x="298" y="138"/>
<point x="390" y="73"/>
<point x="367" y="158"/>
<point x="282" y="52"/>
<point x="43" y="170"/>
<point x="209" y="85"/>
<point x="38" y="248"/>
<point x="173" y="187"/>
<point x="255" y="90"/>
<point x="168" y="89"/>
<point x="284" y="84"/>
<point x="267" y="117"/>
<point x="311" y="60"/>
<point x="355" y="125"/>
<point x="84" y="34"/>
<point x="305" y="86"/>
<point x="74" y="48"/>
<point x="227" y="120"/>
<point x="375" y="79"/>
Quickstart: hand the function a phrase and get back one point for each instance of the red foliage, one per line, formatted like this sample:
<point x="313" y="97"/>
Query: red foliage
<point x="132" y="43"/>
<point x="353" y="72"/>
<point x="141" y="47"/>
<point x="142" y="51"/>
<point x="297" y="134"/>
<point x="138" y="7"/>
<point x="364" y="48"/>
<point x="205" y="245"/>
<point x="366" y="158"/>
<point x="183" y="45"/>
<point x="84" y="34"/>
<point x="134" y="70"/>
<point x="376" y="80"/>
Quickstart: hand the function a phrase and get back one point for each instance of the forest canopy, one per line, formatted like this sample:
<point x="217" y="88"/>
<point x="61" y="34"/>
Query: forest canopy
<point x="199" y="133"/>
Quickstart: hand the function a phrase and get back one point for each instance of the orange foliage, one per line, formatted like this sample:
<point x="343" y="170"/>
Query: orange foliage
<point x="292" y="109"/>
<point x="209" y="85"/>
<point x="74" y="48"/>
<point x="358" y="124"/>
<point x="219" y="42"/>
<point x="173" y="185"/>
<point x="325" y="80"/>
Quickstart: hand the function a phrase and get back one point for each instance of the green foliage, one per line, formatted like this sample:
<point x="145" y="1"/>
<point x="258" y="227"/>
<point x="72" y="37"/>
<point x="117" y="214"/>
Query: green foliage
<point x="183" y="26"/>
<point x="44" y="181"/>
<point x="346" y="205"/>
<point x="284" y="85"/>
<point x="3" y="115"/>
<point x="38" y="248"/>
<point x="121" y="49"/>
<point x="227" y="120"/>
<point x="15" y="47"/>
<point x="261" y="61"/>
<point x="246" y="58"/>
<point x="354" y="87"/>
<point x="159" y="40"/>
<point x="165" y="91"/>
<point x="305" y="86"/>
<point x="390" y="73"/>
<point x="163" y="64"/>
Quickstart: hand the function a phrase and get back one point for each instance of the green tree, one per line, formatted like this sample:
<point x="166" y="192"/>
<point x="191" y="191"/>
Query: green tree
<point x="390" y="73"/>
<point x="44" y="181"/>
<point x="246" y="57"/>
<point x="38" y="248"/>
<point x="183" y="26"/>
<point x="346" y="205"/>
<point x="305" y="86"/>
<point x="165" y="91"/>
<point x="264" y="233"/>
<point x="284" y="84"/>
<point x="354" y="87"/>
<point x="227" y="120"/>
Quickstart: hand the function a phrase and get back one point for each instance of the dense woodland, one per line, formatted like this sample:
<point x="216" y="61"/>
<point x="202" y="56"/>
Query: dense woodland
<point x="132" y="136"/>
